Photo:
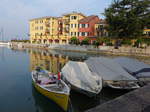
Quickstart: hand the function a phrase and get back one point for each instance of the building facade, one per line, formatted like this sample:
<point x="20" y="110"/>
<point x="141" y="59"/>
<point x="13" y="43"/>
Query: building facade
<point x="100" y="28"/>
<point x="146" y="32"/>
<point x="54" y="30"/>
<point x="87" y="27"/>
<point x="59" y="30"/>
<point x="44" y="30"/>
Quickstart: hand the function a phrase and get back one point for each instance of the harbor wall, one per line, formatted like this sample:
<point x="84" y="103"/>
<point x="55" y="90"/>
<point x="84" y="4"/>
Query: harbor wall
<point x="124" y="50"/>
<point x="134" y="101"/>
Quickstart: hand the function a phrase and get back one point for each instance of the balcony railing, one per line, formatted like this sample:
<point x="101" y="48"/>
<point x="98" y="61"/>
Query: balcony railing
<point x="66" y="21"/>
<point x="47" y="24"/>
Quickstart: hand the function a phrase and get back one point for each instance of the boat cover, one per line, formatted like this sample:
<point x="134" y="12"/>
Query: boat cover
<point x="79" y="75"/>
<point x="135" y="67"/>
<point x="108" y="69"/>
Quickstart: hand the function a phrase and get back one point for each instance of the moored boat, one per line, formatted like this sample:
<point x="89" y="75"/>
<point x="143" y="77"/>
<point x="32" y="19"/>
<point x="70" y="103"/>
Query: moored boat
<point x="136" y="68"/>
<point x="112" y="73"/>
<point x="81" y="79"/>
<point x="127" y="85"/>
<point x="52" y="87"/>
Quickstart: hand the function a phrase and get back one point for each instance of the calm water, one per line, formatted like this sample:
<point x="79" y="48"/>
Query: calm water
<point x="17" y="93"/>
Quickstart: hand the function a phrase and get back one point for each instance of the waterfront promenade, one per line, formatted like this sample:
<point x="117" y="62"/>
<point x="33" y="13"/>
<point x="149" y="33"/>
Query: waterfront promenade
<point x="124" y="50"/>
<point x="135" y="101"/>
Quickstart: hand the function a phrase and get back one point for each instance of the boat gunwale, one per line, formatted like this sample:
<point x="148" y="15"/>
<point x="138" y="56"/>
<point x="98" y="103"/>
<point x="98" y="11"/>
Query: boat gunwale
<point x="59" y="92"/>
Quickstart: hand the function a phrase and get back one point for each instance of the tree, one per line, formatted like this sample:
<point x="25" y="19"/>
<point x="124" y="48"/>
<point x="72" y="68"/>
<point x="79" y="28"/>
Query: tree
<point x="127" y="18"/>
<point x="74" y="40"/>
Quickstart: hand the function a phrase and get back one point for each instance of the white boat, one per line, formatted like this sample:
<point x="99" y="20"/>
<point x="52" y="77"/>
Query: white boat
<point x="112" y="73"/>
<point x="51" y="87"/>
<point x="81" y="79"/>
<point x="4" y="44"/>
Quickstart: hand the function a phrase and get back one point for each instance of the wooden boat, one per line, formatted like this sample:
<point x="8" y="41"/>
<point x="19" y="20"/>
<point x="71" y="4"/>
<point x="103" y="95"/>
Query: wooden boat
<point x="52" y="87"/>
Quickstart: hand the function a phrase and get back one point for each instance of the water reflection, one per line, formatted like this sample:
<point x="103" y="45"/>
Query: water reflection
<point x="48" y="61"/>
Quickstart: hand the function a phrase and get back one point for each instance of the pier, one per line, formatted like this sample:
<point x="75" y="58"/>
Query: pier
<point x="135" y="101"/>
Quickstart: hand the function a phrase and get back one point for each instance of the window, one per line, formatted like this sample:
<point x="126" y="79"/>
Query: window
<point x="41" y="28"/>
<point x="75" y="25"/>
<point x="36" y="21"/>
<point x="86" y="33"/>
<point x="73" y="17"/>
<point x="83" y="33"/>
<point x="83" y="25"/>
<point x="71" y="25"/>
<point x="71" y="33"/>
<point x="80" y="25"/>
<point x="74" y="33"/>
<point x="59" y="28"/>
<point x="36" y="28"/>
<point x="36" y="34"/>
<point x="86" y="25"/>
<point x="41" y="21"/>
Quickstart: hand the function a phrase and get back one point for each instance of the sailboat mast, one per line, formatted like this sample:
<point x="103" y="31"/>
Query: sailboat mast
<point x="2" y="33"/>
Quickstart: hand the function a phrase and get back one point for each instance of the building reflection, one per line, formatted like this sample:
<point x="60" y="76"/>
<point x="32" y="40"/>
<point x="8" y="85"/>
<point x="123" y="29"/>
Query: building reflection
<point x="46" y="60"/>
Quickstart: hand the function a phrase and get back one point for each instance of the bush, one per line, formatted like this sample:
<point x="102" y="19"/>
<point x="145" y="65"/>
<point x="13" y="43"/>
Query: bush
<point x="126" y="42"/>
<point x="74" y="40"/>
<point x="105" y="40"/>
<point x="95" y="43"/>
<point x="146" y="41"/>
<point x="85" y="41"/>
<point x="109" y="44"/>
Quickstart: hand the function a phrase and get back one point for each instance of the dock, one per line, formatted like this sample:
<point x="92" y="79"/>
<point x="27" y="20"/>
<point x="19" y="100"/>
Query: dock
<point x="134" y="101"/>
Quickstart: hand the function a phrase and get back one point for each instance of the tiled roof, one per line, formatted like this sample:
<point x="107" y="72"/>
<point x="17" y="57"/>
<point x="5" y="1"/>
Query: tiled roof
<point x="46" y="17"/>
<point x="102" y="21"/>
<point x="87" y="19"/>
<point x="68" y="14"/>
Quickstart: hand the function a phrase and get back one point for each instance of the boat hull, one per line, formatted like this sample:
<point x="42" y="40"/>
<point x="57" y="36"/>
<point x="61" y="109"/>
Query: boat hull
<point x="82" y="91"/>
<point x="79" y="90"/>
<point x="58" y="98"/>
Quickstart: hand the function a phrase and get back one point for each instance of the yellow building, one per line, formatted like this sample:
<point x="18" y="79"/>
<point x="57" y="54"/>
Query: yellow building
<point x="44" y="30"/>
<point x="72" y="23"/>
<point x="49" y="30"/>
<point x="147" y="32"/>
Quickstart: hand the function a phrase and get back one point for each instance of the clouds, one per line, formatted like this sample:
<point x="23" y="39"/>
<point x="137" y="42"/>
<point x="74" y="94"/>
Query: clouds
<point x="15" y="14"/>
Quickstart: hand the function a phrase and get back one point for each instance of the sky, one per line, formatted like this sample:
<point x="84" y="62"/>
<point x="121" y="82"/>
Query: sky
<point x="15" y="14"/>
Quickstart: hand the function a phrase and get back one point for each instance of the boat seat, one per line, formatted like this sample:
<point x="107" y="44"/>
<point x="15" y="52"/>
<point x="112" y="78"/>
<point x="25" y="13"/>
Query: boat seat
<point x="49" y="85"/>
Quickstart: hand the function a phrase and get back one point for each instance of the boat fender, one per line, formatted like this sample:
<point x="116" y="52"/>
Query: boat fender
<point x="59" y="75"/>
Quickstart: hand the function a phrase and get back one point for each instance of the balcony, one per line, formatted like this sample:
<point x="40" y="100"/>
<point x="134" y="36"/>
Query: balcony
<point x="47" y="24"/>
<point x="66" y="30"/>
<point x="47" y="31"/>
<point x="66" y="21"/>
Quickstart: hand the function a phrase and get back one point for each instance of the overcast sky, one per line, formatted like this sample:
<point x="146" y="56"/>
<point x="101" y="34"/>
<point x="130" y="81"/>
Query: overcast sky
<point x="15" y="14"/>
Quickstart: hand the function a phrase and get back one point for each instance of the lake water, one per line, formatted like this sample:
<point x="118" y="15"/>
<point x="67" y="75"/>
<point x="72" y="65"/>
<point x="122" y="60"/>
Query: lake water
<point x="17" y="93"/>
